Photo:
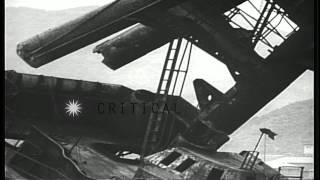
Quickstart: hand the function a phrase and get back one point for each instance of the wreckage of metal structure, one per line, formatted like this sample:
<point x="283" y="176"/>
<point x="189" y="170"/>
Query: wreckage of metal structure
<point x="245" y="98"/>
<point x="106" y="112"/>
<point x="41" y="157"/>
<point x="130" y="45"/>
<point x="211" y="37"/>
<point x="191" y="164"/>
<point x="91" y="27"/>
<point x="109" y="19"/>
<point x="206" y="93"/>
<point x="257" y="80"/>
<point x="205" y="28"/>
<point x="201" y="22"/>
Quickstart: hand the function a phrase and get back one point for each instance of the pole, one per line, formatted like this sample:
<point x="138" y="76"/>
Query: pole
<point x="265" y="148"/>
<point x="255" y="148"/>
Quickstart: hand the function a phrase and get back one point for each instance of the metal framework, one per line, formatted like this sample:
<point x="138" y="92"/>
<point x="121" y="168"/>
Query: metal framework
<point x="249" y="160"/>
<point x="262" y="26"/>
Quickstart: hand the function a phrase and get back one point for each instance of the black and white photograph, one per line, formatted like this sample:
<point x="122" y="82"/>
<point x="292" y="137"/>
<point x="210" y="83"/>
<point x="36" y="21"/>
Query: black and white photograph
<point x="160" y="90"/>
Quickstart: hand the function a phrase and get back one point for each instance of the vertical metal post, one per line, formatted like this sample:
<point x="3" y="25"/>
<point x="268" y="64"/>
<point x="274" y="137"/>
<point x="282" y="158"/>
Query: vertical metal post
<point x="255" y="148"/>
<point x="301" y="173"/>
<point x="265" y="148"/>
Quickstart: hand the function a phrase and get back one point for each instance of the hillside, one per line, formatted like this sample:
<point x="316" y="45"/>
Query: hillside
<point x="293" y="123"/>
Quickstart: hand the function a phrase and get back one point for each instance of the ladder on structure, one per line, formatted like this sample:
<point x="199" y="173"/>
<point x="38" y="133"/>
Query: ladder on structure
<point x="249" y="160"/>
<point x="167" y="86"/>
